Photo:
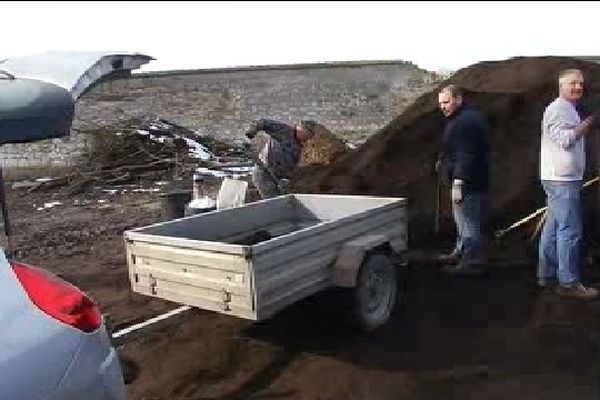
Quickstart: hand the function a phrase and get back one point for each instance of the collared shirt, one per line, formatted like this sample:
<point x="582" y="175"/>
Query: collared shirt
<point x="562" y="155"/>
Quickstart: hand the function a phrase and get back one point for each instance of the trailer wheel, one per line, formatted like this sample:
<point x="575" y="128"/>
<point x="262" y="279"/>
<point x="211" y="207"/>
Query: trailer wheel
<point x="375" y="294"/>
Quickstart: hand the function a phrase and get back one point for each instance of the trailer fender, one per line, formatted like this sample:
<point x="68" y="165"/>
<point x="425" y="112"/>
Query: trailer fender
<point x="351" y="256"/>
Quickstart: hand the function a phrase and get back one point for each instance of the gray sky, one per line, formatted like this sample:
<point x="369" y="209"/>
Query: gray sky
<point x="188" y="35"/>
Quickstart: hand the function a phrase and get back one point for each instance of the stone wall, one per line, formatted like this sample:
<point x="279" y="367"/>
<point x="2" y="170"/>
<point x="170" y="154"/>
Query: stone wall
<point x="353" y="99"/>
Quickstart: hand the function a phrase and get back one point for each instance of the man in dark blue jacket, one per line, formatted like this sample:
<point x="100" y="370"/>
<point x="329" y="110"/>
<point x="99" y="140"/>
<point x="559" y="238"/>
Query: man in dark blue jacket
<point x="465" y="165"/>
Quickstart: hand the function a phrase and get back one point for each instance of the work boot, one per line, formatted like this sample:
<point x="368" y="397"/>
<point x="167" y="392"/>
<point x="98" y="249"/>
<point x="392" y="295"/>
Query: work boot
<point x="577" y="291"/>
<point x="451" y="258"/>
<point x="546" y="283"/>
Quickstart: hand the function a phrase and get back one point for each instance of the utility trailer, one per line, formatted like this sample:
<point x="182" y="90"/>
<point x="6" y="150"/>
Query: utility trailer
<point x="254" y="260"/>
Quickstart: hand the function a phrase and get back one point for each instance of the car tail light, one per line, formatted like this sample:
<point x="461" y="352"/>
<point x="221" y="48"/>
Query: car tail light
<point x="58" y="298"/>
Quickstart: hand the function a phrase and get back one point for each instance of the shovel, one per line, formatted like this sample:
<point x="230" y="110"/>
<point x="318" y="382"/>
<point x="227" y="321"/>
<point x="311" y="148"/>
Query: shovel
<point x="438" y="204"/>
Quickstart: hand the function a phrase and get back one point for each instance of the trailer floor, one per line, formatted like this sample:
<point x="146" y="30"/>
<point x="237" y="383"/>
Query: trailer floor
<point x="491" y="338"/>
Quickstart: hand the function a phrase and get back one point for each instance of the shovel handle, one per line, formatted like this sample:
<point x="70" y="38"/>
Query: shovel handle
<point x="438" y="205"/>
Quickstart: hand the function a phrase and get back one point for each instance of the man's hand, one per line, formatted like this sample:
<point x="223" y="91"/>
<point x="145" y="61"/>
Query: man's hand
<point x="585" y="126"/>
<point x="596" y="121"/>
<point x="457" y="191"/>
<point x="250" y="134"/>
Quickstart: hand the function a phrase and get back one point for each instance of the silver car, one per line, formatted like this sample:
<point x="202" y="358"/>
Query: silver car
<point x="53" y="340"/>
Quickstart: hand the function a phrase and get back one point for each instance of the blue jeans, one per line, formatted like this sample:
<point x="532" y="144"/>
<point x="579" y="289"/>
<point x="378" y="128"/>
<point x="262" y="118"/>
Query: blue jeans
<point x="468" y="217"/>
<point x="560" y="242"/>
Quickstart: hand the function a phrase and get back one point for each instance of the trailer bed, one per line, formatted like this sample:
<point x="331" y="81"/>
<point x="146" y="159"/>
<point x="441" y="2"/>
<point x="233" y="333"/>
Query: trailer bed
<point x="252" y="261"/>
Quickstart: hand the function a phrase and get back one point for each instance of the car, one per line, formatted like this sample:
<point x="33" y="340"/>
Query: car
<point x="54" y="343"/>
<point x="54" y="340"/>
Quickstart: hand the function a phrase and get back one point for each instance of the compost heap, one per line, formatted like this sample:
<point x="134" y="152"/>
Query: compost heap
<point x="323" y="148"/>
<point x="399" y="159"/>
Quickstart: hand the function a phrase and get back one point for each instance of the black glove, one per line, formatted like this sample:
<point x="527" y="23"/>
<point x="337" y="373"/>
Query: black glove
<point x="284" y="185"/>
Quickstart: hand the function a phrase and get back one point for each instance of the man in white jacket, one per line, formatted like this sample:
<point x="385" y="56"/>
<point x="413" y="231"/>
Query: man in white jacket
<point x="562" y="165"/>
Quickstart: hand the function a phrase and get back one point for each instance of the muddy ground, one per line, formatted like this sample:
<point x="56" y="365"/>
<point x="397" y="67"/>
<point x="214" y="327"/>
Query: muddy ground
<point x="492" y="338"/>
<point x="489" y="338"/>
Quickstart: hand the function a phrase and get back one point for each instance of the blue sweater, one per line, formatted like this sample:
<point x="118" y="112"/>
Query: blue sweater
<point x="466" y="149"/>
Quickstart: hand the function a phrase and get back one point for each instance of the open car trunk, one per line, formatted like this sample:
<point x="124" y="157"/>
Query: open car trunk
<point x="38" y="95"/>
<point x="38" y="92"/>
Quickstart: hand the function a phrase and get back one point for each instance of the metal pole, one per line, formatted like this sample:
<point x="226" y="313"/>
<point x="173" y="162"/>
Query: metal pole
<point x="438" y="205"/>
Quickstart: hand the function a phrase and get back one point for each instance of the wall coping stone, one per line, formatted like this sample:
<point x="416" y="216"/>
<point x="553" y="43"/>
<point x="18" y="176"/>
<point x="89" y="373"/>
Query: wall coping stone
<point x="320" y="65"/>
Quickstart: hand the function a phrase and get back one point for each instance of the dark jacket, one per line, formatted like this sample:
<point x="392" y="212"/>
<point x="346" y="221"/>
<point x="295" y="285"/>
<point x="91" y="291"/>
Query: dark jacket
<point x="279" y="148"/>
<point x="466" y="150"/>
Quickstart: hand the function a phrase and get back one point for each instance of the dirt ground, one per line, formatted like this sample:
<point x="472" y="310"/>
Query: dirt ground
<point x="492" y="338"/>
<point x="489" y="338"/>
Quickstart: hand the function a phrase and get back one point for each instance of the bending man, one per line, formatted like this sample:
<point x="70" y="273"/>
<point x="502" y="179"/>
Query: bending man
<point x="277" y="153"/>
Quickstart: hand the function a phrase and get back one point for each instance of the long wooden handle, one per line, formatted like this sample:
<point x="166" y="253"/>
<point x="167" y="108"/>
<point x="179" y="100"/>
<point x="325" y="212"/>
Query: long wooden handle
<point x="438" y="206"/>
<point x="534" y="214"/>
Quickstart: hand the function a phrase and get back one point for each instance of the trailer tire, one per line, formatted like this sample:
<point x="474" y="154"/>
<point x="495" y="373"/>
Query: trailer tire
<point x="375" y="295"/>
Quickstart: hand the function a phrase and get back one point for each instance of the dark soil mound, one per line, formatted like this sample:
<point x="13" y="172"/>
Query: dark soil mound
<point x="398" y="160"/>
